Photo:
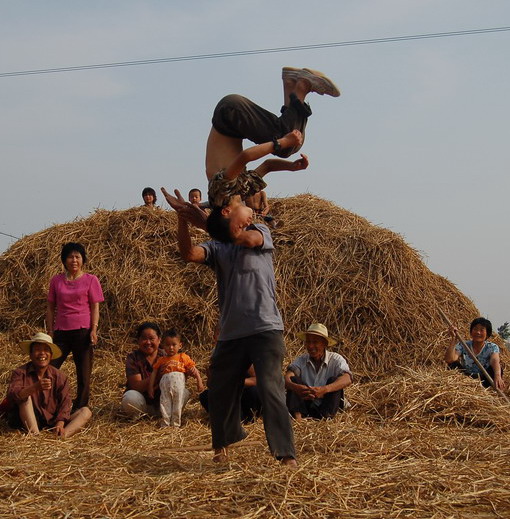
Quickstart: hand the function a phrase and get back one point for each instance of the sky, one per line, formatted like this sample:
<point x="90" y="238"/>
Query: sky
<point x="417" y="142"/>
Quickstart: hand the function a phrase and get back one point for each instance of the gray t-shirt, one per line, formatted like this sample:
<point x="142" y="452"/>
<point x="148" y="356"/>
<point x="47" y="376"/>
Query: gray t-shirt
<point x="246" y="286"/>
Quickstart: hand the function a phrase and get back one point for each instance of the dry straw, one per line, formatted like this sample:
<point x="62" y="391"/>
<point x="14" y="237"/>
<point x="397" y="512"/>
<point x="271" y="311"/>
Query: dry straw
<point x="419" y="442"/>
<point x="364" y="282"/>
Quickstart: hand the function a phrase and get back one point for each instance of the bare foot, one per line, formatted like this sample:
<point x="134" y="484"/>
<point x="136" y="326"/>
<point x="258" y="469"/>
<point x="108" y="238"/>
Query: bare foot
<point x="289" y="462"/>
<point x="220" y="455"/>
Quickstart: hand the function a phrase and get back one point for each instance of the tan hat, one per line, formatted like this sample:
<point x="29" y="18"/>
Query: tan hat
<point x="42" y="338"/>
<point x="318" y="329"/>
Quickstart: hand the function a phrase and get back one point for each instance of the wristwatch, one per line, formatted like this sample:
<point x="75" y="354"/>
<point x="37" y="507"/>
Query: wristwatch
<point x="276" y="144"/>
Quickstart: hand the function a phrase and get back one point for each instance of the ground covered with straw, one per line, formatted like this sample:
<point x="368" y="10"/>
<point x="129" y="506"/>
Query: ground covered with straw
<point x="419" y="441"/>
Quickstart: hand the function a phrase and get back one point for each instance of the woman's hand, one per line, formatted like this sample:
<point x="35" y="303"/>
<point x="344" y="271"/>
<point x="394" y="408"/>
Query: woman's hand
<point x="93" y="337"/>
<point x="499" y="382"/>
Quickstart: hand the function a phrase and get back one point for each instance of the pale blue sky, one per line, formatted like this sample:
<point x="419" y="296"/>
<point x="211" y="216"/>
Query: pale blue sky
<point x="417" y="143"/>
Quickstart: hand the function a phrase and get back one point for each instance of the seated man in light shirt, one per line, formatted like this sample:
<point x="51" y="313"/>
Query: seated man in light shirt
<point x="315" y="381"/>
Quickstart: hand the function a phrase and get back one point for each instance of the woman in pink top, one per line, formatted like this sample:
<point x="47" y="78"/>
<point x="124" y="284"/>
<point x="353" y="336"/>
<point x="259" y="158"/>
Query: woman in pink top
<point x="72" y="316"/>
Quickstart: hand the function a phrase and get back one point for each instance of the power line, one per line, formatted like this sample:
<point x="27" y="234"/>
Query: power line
<point x="253" y="52"/>
<point x="10" y="235"/>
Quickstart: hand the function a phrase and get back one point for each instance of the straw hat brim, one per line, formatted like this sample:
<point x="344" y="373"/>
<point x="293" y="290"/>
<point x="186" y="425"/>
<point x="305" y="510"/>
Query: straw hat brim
<point x="331" y="340"/>
<point x="56" y="352"/>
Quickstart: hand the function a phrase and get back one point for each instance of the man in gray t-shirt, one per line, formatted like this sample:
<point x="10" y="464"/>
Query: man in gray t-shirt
<point x="251" y="332"/>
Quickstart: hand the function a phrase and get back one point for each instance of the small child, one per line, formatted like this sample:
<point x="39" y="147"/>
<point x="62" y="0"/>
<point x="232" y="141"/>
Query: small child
<point x="149" y="197"/>
<point x="171" y="372"/>
<point x="229" y="187"/>
<point x="195" y="196"/>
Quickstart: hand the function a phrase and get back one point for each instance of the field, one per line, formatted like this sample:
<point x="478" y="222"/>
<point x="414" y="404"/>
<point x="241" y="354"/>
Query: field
<point x="418" y="442"/>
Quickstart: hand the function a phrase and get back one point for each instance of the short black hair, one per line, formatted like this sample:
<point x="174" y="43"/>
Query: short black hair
<point x="171" y="333"/>
<point x="148" y="325"/>
<point x="31" y="347"/>
<point x="149" y="191"/>
<point x="195" y="189"/>
<point x="484" y="322"/>
<point x="218" y="226"/>
<point x="70" y="247"/>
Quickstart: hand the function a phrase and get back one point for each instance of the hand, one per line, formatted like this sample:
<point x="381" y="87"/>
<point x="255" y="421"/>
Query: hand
<point x="303" y="392"/>
<point x="44" y="384"/>
<point x="301" y="163"/>
<point x="293" y="138"/>
<point x="191" y="213"/>
<point x="93" y="337"/>
<point x="59" y="429"/>
<point x="318" y="391"/>
<point x="499" y="382"/>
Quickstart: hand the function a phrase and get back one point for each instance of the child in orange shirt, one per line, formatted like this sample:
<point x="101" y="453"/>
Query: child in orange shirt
<point x="171" y="372"/>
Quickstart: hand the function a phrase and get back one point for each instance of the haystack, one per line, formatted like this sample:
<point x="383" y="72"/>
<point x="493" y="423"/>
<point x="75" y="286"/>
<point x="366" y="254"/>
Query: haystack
<point x="364" y="282"/>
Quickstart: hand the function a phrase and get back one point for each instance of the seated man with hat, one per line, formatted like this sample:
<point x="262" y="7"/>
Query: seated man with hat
<point x="39" y="395"/>
<point x="315" y="381"/>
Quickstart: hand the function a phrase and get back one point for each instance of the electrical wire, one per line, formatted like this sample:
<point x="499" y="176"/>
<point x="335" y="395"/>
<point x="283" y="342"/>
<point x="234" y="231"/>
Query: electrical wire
<point x="254" y="52"/>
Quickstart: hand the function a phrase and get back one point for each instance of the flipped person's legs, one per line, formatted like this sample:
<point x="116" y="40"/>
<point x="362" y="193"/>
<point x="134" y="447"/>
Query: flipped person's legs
<point x="267" y="350"/>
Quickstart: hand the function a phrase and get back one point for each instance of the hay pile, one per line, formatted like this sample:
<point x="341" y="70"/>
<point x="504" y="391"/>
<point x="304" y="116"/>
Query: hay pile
<point x="396" y="454"/>
<point x="364" y="282"/>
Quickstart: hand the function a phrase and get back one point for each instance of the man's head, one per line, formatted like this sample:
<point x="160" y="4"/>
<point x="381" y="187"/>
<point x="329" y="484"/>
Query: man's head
<point x="41" y="349"/>
<point x="226" y="223"/>
<point x="316" y="339"/>
<point x="195" y="196"/>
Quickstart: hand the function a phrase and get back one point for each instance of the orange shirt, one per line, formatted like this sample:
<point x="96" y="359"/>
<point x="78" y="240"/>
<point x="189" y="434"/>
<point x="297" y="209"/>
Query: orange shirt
<point x="180" y="362"/>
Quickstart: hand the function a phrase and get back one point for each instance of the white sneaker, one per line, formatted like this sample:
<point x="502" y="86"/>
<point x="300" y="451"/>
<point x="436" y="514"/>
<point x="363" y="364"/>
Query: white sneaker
<point x="319" y="82"/>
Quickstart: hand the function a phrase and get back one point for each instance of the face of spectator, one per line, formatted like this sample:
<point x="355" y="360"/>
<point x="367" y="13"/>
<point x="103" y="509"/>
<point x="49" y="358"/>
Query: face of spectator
<point x="40" y="355"/>
<point x="172" y="345"/>
<point x="74" y="262"/>
<point x="148" y="199"/>
<point x="315" y="346"/>
<point x="148" y="342"/>
<point x="479" y="334"/>
<point x="194" y="197"/>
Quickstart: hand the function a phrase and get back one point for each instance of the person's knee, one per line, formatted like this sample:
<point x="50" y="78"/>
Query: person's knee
<point x="133" y="402"/>
<point x="85" y="413"/>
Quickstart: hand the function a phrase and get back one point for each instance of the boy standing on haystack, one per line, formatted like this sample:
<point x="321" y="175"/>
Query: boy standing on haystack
<point x="251" y="332"/>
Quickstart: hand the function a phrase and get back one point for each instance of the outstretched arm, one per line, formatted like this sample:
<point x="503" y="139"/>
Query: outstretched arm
<point x="192" y="213"/>
<point x="189" y="252"/>
<point x="282" y="165"/>
<point x="294" y="138"/>
<point x="451" y="354"/>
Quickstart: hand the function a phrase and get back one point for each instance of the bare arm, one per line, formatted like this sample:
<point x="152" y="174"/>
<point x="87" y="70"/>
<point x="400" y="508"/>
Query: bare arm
<point x="451" y="354"/>
<point x="264" y="206"/>
<point x="249" y="238"/>
<point x="50" y="317"/>
<point x="496" y="366"/>
<point x="137" y="383"/>
<point x="189" y="252"/>
<point x="94" y="321"/>
<point x="196" y="374"/>
<point x="258" y="151"/>
<point x="282" y="165"/>
<point x="341" y="382"/>
<point x="151" y="384"/>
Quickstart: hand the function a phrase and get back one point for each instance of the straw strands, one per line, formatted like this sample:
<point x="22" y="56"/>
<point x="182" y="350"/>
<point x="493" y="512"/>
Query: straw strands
<point x="418" y="442"/>
<point x="365" y="283"/>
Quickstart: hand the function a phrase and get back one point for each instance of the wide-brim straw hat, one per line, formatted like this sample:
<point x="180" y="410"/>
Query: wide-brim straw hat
<point x="318" y="329"/>
<point x="42" y="338"/>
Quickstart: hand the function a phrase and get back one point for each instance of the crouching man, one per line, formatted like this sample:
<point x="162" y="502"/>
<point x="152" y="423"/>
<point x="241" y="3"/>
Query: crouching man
<point x="39" y="395"/>
<point x="315" y="381"/>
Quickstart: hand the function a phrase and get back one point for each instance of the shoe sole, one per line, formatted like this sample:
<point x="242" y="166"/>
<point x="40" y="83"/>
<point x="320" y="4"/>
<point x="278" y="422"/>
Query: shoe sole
<point x="319" y="82"/>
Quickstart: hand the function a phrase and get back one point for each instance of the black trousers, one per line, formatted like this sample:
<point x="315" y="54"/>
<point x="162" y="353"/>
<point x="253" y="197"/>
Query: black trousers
<point x="328" y="408"/>
<point x="251" y="406"/>
<point x="76" y="342"/>
<point x="229" y="362"/>
<point x="236" y="116"/>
